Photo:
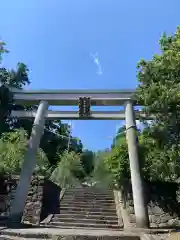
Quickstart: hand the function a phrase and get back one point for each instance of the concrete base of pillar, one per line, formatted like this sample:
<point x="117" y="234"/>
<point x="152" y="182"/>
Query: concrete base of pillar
<point x="142" y="223"/>
<point x="14" y="221"/>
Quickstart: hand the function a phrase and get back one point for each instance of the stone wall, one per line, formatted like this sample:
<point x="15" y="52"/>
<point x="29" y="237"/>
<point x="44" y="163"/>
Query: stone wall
<point x="7" y="189"/>
<point x="163" y="206"/>
<point x="43" y="198"/>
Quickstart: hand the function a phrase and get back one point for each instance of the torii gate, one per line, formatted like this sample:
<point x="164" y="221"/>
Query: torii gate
<point x="44" y="98"/>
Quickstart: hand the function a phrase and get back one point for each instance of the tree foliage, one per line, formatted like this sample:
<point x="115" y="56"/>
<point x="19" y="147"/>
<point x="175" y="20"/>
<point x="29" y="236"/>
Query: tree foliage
<point x="13" y="146"/>
<point x="119" y="138"/>
<point x="158" y="91"/>
<point x="66" y="174"/>
<point x="101" y="174"/>
<point x="87" y="161"/>
<point x="159" y="86"/>
<point x="158" y="162"/>
<point x="2" y="49"/>
<point x="14" y="78"/>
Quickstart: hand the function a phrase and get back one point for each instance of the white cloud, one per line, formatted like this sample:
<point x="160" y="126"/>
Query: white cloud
<point x="97" y="62"/>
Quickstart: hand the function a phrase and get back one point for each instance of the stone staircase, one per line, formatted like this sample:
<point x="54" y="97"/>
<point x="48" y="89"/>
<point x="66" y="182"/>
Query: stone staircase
<point x="87" y="207"/>
<point x="85" y="213"/>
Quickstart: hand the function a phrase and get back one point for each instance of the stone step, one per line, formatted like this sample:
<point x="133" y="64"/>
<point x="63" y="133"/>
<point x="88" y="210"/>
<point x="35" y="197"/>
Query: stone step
<point x="73" y="213"/>
<point x="84" y="225"/>
<point x="86" y="199"/>
<point x="86" y="190"/>
<point x="90" y="192"/>
<point x="16" y="237"/>
<point x="88" y="196"/>
<point x="83" y="199"/>
<point x="87" y="205"/>
<point x="85" y="220"/>
<point x="68" y="233"/>
<point x="82" y="195"/>
<point x="6" y="237"/>
<point x="92" y="189"/>
<point x="85" y="195"/>
<point x="91" y="203"/>
<point x="87" y="209"/>
<point x="87" y="216"/>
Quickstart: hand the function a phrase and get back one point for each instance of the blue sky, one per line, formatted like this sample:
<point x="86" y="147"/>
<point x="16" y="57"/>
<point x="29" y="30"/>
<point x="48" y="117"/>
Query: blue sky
<point x="55" y="39"/>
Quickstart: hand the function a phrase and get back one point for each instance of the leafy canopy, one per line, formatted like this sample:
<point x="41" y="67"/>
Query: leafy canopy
<point x="13" y="146"/>
<point x="159" y="142"/>
<point x="66" y="174"/>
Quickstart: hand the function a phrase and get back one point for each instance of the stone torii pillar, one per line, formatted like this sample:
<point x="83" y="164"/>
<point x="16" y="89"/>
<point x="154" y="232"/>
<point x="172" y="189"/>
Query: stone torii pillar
<point x="141" y="213"/>
<point x="28" y="166"/>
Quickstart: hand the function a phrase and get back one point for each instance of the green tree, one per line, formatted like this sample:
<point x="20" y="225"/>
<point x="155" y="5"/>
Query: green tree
<point x="120" y="136"/>
<point x="101" y="174"/>
<point x="87" y="161"/>
<point x="158" y="92"/>
<point x="13" y="146"/>
<point x="2" y="49"/>
<point x="17" y="78"/>
<point x="118" y="163"/>
<point x="159" y="163"/>
<point x="66" y="174"/>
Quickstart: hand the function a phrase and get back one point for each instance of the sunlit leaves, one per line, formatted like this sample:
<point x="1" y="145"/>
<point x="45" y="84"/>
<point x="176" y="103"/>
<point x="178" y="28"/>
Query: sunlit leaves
<point x="16" y="78"/>
<point x="158" y="92"/>
<point x="101" y="174"/>
<point x="2" y="49"/>
<point x="13" y="146"/>
<point x="66" y="172"/>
